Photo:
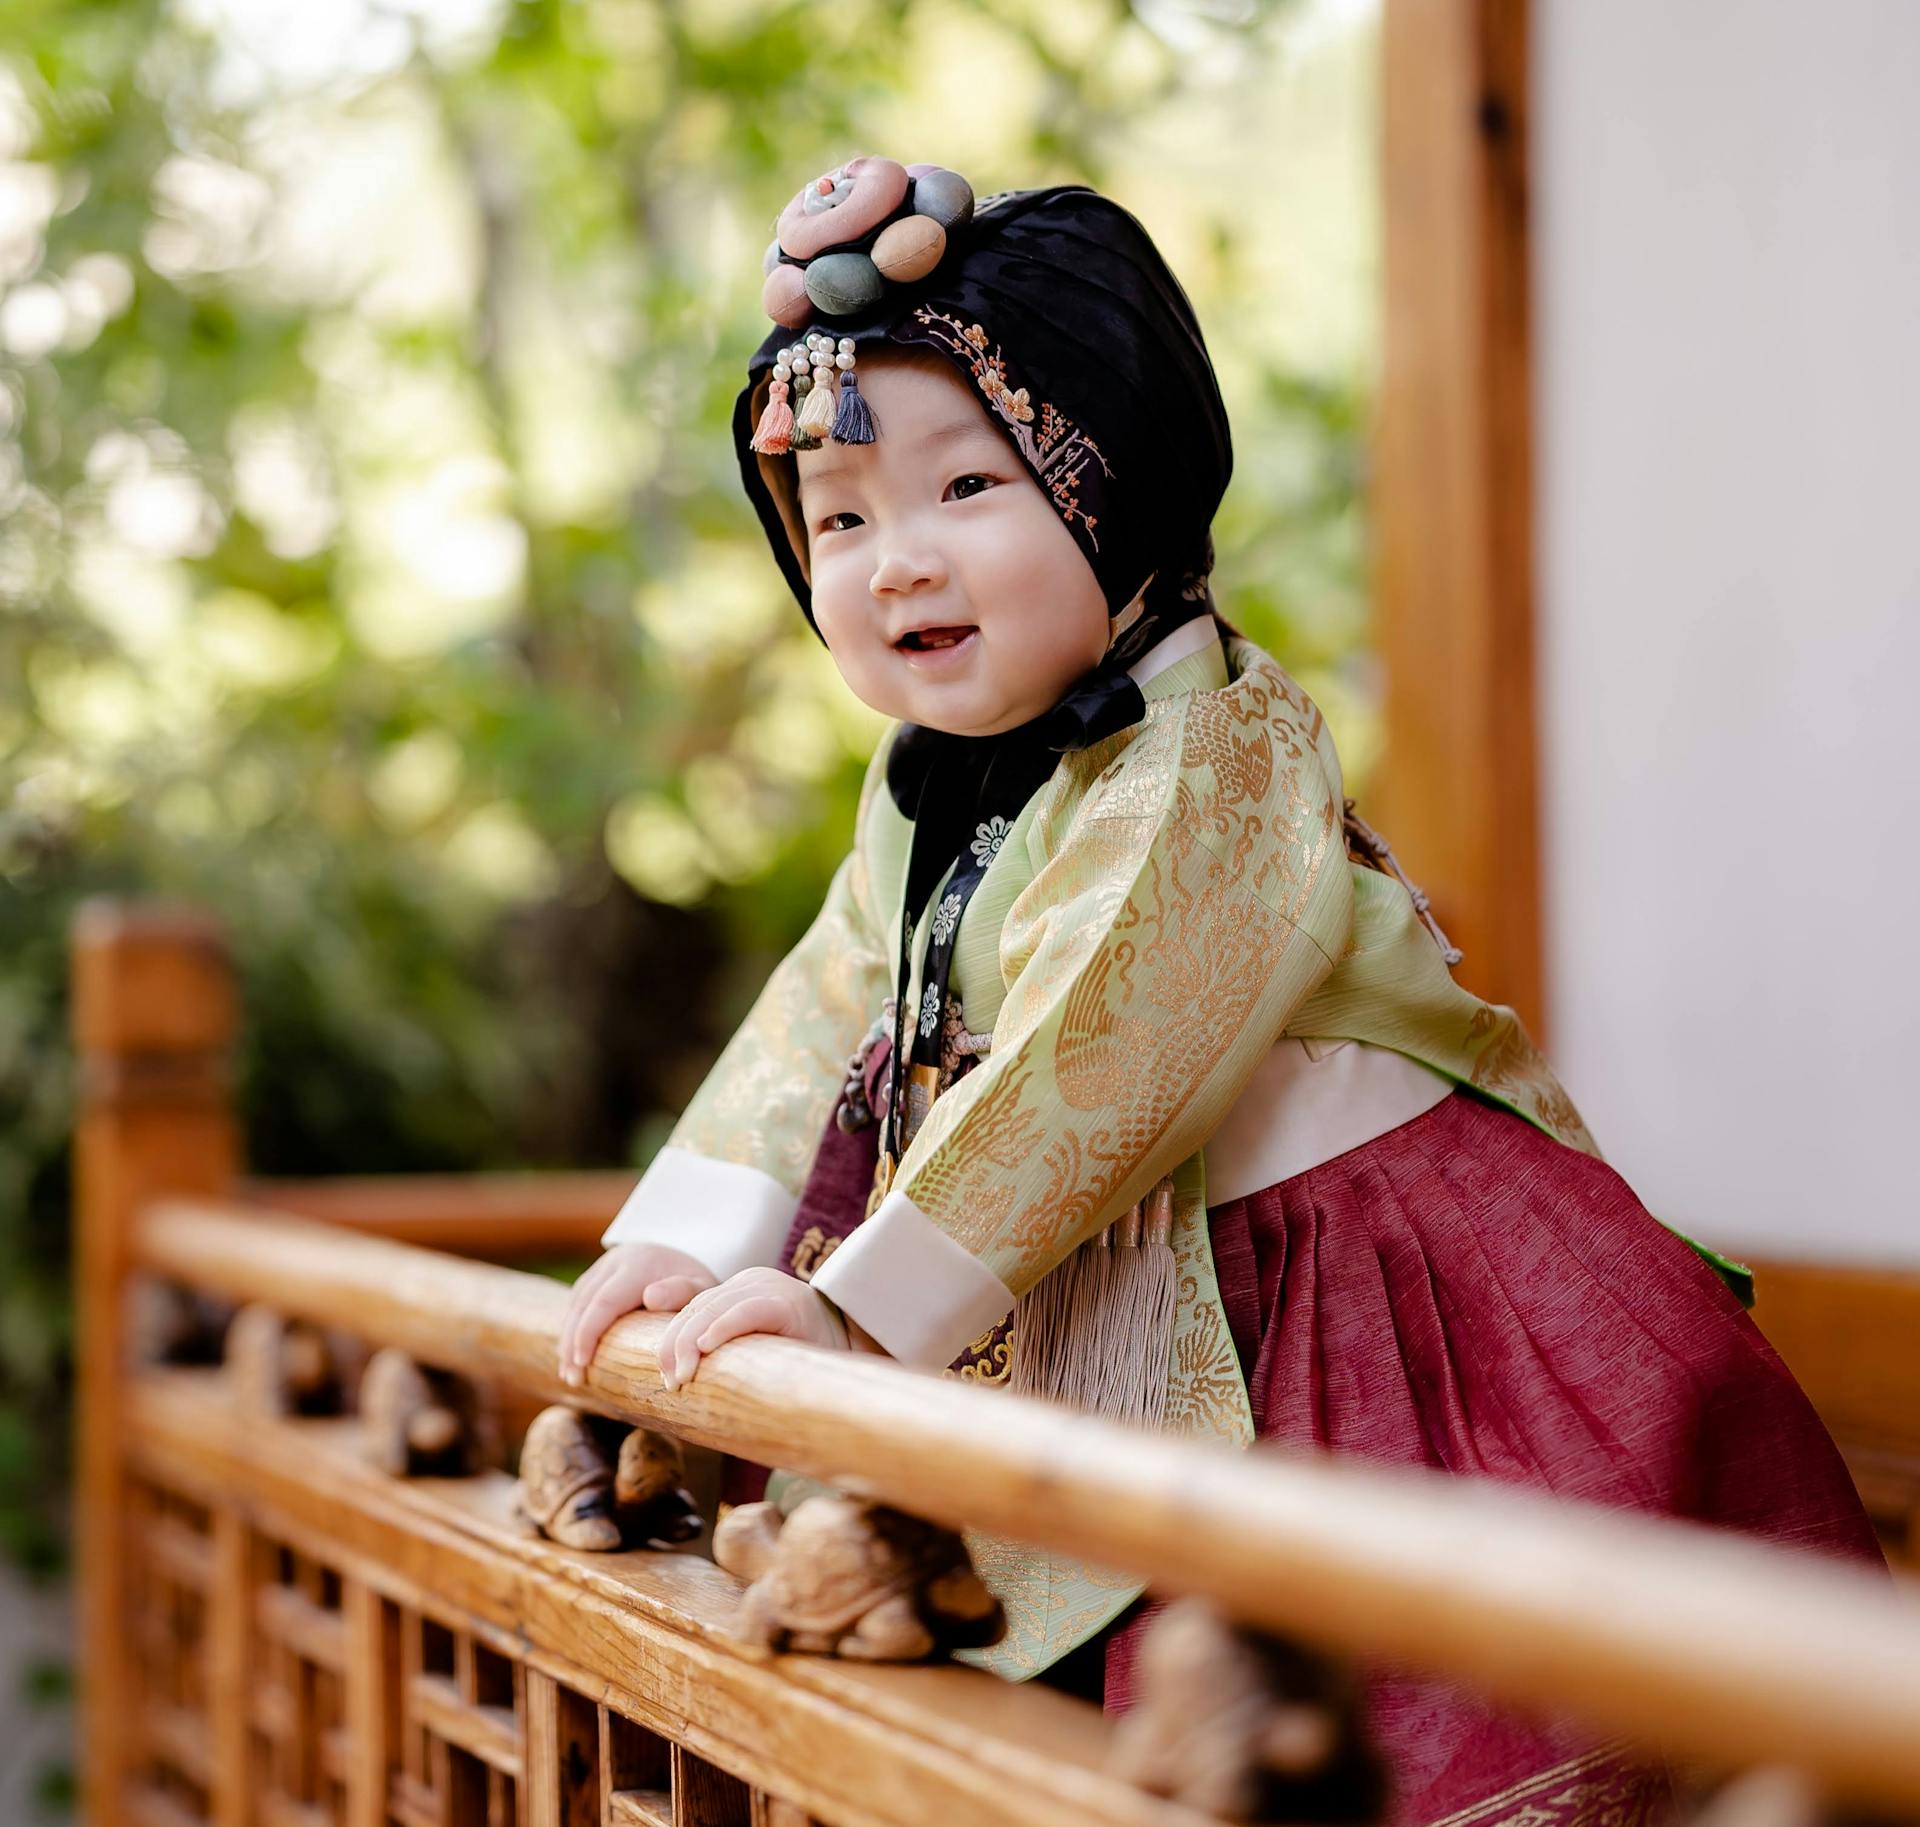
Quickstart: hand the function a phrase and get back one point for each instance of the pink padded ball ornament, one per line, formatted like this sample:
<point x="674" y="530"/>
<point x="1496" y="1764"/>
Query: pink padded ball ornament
<point x="784" y="297"/>
<point x="858" y="196"/>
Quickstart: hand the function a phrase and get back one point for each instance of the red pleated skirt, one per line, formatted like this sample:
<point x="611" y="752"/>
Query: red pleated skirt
<point x="1468" y="1294"/>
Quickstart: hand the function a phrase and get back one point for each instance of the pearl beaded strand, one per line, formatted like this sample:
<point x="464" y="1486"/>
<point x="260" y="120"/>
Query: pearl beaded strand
<point x="814" y="421"/>
<point x="817" y="375"/>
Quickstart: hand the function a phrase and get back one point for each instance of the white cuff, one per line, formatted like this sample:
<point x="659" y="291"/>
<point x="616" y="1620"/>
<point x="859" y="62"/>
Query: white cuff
<point x="910" y="1285"/>
<point x="722" y="1214"/>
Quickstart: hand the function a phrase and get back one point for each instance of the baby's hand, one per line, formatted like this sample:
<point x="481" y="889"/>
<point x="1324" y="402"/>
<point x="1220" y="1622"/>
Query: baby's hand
<point x="755" y="1300"/>
<point x="629" y="1275"/>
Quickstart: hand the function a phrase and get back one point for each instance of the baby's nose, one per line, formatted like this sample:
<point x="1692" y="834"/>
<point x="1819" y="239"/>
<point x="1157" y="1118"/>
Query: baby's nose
<point x="902" y="569"/>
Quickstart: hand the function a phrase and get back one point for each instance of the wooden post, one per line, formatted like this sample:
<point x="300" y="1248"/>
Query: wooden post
<point x="229" y="1630"/>
<point x="1452" y="493"/>
<point x="373" y="1705"/>
<point x="153" y="1019"/>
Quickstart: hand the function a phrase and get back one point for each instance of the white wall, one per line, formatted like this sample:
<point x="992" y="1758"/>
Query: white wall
<point x="1727" y="221"/>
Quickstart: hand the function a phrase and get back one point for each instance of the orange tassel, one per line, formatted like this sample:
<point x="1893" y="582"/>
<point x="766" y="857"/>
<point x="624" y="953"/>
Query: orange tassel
<point x="775" y="430"/>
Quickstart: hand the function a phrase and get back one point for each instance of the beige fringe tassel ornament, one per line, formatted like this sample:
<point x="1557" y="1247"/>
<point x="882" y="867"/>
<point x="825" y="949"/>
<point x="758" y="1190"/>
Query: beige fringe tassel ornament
<point x="1097" y="1333"/>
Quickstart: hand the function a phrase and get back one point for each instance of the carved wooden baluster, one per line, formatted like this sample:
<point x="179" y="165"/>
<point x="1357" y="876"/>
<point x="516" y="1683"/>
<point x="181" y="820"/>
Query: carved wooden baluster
<point x="419" y="1420"/>
<point x="1244" y="1726"/>
<point x="1767" y="1797"/>
<point x="152" y="1021"/>
<point x="918" y="1594"/>
<point x="594" y="1484"/>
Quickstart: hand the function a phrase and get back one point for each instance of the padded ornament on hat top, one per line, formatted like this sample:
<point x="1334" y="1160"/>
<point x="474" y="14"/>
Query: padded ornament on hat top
<point x="849" y="233"/>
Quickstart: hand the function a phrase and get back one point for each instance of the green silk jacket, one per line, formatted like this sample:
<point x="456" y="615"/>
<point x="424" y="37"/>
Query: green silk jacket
<point x="1173" y="903"/>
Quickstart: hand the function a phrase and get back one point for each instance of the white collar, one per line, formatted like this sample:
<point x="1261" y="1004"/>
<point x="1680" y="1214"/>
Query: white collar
<point x="1188" y="639"/>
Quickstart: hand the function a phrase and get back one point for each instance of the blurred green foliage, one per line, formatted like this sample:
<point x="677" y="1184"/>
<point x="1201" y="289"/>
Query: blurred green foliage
<point x="373" y="567"/>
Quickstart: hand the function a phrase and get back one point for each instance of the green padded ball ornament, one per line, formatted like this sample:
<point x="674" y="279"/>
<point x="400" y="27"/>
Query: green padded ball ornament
<point x="842" y="284"/>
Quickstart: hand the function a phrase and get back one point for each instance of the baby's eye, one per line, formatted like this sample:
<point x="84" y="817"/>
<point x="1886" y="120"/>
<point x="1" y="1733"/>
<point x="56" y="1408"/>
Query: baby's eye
<point x="960" y="482"/>
<point x="830" y="523"/>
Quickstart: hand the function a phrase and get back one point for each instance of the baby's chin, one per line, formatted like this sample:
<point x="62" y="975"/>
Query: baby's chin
<point x="955" y="709"/>
<point x="952" y="717"/>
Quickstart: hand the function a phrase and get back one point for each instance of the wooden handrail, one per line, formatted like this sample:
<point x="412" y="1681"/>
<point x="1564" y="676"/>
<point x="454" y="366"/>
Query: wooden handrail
<point x="1696" y="1643"/>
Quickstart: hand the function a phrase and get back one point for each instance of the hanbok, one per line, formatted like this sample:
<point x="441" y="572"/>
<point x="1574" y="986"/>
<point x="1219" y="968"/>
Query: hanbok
<point x="1388" y="1232"/>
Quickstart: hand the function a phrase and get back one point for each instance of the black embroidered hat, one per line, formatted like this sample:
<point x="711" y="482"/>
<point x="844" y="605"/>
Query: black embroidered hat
<point x="1057" y="305"/>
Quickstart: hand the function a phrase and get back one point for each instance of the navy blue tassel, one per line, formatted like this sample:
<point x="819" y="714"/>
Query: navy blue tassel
<point x="853" y="424"/>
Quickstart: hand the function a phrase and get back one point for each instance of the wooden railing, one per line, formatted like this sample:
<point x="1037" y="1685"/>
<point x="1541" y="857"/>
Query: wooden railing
<point x="277" y="1632"/>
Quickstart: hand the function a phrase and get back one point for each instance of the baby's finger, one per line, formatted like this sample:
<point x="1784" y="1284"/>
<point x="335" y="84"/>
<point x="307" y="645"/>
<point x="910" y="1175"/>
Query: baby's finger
<point x="590" y="1278"/>
<point x="762" y="1313"/>
<point x="603" y="1307"/>
<point x="671" y="1292"/>
<point x="745" y="1313"/>
<point x="694" y="1313"/>
<point x="681" y="1358"/>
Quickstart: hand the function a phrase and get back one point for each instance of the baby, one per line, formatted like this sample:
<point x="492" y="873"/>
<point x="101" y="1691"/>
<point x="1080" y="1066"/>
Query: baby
<point x="1121" y="1065"/>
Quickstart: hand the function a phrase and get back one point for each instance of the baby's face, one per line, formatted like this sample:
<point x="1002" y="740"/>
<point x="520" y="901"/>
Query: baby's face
<point x="947" y="587"/>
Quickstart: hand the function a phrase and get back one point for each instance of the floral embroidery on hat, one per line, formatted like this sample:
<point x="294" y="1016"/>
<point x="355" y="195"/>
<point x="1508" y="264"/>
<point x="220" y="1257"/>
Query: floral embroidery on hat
<point x="946" y="918"/>
<point x="1056" y="449"/>
<point x="930" y="1009"/>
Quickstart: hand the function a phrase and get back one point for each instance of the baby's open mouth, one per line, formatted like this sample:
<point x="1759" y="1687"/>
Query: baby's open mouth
<point x="931" y="640"/>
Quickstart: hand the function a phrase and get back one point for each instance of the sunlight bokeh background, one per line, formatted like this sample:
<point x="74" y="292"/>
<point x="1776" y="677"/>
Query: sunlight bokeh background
<point x="373" y="566"/>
